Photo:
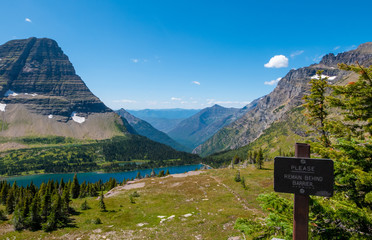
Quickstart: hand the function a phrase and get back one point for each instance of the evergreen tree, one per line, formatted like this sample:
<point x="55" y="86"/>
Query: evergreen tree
<point x="4" y="193"/>
<point x="66" y="201"/>
<point x="34" y="218"/>
<point x="243" y="183"/>
<point x="167" y="172"/>
<point x="61" y="186"/>
<point x="355" y="102"/>
<point x="83" y="190"/>
<point x="316" y="107"/>
<point x="75" y="187"/>
<point x="153" y="174"/>
<point x="10" y="202"/>
<point x="45" y="206"/>
<point x="237" y="176"/>
<point x="18" y="220"/>
<point x="236" y="159"/>
<point x="259" y="159"/>
<point x="113" y="183"/>
<point x="138" y="175"/>
<point x="102" y="205"/>
<point x="161" y="173"/>
<point x="84" y="205"/>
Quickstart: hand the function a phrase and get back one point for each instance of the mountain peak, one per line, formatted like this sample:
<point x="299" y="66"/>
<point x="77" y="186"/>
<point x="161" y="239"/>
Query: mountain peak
<point x="365" y="48"/>
<point x="217" y="106"/>
<point x="37" y="81"/>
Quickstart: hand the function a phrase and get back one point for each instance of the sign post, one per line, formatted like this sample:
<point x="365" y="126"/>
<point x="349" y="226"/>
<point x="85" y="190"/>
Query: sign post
<point x="301" y="202"/>
<point x="303" y="176"/>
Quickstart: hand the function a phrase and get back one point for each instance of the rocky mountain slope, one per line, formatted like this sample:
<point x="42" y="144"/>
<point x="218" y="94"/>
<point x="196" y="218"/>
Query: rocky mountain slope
<point x="196" y="129"/>
<point x="286" y="96"/>
<point x="41" y="94"/>
<point x="144" y="128"/>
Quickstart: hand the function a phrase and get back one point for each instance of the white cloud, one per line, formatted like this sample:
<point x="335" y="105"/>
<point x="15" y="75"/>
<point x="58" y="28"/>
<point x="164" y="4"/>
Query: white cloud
<point x="175" y="99"/>
<point x="196" y="82"/>
<point x="337" y="47"/>
<point x="134" y="60"/>
<point x="272" y="82"/>
<point x="28" y="20"/>
<point x="296" y="53"/>
<point x="278" y="61"/>
<point x="124" y="101"/>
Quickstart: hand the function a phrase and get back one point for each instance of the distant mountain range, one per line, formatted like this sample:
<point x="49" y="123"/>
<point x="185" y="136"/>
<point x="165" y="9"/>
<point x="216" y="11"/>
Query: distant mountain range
<point x="144" y="128"/>
<point x="164" y="119"/>
<point x="278" y="105"/>
<point x="196" y="129"/>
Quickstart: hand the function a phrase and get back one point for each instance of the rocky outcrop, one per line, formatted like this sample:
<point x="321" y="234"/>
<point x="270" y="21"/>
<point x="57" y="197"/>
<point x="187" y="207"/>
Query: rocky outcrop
<point x="287" y="95"/>
<point x="37" y="81"/>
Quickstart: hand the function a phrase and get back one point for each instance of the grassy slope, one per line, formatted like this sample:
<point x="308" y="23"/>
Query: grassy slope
<point x="212" y="218"/>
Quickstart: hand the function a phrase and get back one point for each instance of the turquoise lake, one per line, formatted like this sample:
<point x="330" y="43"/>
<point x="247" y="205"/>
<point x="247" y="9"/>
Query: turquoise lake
<point x="95" y="176"/>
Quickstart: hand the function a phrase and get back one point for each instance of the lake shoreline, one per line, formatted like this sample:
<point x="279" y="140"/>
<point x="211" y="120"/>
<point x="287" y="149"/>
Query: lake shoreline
<point x="37" y="179"/>
<point x="2" y="177"/>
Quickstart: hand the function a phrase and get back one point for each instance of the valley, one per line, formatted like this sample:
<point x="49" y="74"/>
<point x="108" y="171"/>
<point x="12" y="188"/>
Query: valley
<point x="53" y="124"/>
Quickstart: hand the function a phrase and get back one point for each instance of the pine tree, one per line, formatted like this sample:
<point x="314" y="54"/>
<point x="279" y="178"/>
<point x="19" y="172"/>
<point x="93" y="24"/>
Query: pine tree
<point x="84" y="205"/>
<point x="316" y="107"/>
<point x="4" y="193"/>
<point x="34" y="218"/>
<point x="75" y="187"/>
<point x="161" y="173"/>
<point x="167" y="172"/>
<point x="45" y="206"/>
<point x="355" y="102"/>
<point x="10" y="202"/>
<point x="102" y="205"/>
<point x="55" y="217"/>
<point x="138" y="175"/>
<point x="259" y="159"/>
<point x="243" y="183"/>
<point x="237" y="176"/>
<point x="66" y="201"/>
<point x="18" y="220"/>
<point x="153" y="174"/>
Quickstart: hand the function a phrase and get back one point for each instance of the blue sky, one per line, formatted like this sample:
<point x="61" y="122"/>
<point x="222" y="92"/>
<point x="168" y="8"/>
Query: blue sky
<point x="141" y="54"/>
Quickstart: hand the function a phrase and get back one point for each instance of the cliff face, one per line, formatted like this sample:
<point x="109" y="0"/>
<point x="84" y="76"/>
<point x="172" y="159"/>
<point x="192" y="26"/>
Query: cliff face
<point x="287" y="95"/>
<point x="40" y="94"/>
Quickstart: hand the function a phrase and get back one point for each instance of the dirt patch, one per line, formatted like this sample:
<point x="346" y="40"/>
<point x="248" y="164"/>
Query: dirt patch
<point x="118" y="189"/>
<point x="191" y="173"/>
<point x="11" y="145"/>
<point x="5" y="228"/>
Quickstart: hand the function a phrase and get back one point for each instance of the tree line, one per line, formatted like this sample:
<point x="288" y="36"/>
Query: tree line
<point x="46" y="207"/>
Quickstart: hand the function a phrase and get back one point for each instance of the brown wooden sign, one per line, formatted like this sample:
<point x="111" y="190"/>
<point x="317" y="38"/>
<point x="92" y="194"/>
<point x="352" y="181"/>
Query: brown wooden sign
<point x="305" y="176"/>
